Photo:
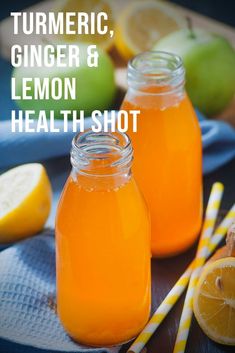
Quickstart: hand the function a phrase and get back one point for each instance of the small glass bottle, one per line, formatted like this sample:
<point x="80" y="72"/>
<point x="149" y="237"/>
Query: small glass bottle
<point x="102" y="244"/>
<point x="168" y="150"/>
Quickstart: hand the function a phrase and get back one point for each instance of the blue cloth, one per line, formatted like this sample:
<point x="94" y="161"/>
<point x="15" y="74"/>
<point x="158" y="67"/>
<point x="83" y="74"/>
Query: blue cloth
<point x="218" y="139"/>
<point x="218" y="144"/>
<point x="27" y="300"/>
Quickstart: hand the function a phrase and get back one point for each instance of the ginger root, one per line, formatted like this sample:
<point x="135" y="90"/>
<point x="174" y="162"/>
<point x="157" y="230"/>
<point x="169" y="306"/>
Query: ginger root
<point x="230" y="241"/>
<point x="228" y="249"/>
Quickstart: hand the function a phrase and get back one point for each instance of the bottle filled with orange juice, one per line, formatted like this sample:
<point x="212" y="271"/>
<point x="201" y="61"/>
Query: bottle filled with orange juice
<point x="168" y="150"/>
<point x="102" y="244"/>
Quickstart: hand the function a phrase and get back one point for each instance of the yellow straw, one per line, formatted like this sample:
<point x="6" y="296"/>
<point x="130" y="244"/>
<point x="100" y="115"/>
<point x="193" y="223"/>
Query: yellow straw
<point x="179" y="288"/>
<point x="202" y="251"/>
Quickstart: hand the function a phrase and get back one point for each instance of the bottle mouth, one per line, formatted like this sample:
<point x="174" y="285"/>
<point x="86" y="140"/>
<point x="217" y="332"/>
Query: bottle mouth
<point x="156" y="68"/>
<point x="101" y="154"/>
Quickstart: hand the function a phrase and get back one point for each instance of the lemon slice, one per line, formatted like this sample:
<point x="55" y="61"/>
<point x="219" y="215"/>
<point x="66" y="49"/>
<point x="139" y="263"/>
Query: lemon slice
<point x="25" y="201"/>
<point x="142" y="24"/>
<point x="214" y="301"/>
<point x="96" y="6"/>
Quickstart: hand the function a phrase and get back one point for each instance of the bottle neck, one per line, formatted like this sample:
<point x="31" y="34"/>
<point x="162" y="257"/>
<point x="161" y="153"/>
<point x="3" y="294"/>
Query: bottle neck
<point x="156" y="73"/>
<point x="101" y="160"/>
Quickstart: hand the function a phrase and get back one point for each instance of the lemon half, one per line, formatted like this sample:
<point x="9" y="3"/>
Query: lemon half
<point x="214" y="301"/>
<point x="25" y="201"/>
<point x="142" y="23"/>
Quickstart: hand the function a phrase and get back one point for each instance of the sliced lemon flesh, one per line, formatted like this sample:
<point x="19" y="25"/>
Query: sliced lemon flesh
<point x="142" y="24"/>
<point x="104" y="41"/>
<point x="214" y="301"/>
<point x="25" y="201"/>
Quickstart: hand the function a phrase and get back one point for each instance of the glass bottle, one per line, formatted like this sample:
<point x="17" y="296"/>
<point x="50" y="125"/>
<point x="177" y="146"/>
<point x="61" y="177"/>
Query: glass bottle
<point x="102" y="244"/>
<point x="168" y="150"/>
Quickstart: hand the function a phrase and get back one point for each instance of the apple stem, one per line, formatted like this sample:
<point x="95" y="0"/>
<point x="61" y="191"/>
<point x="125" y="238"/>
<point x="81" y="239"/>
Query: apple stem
<point x="190" y="27"/>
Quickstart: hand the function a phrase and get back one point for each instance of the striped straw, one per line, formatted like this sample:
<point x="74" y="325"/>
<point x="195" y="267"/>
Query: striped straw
<point x="202" y="251"/>
<point x="175" y="293"/>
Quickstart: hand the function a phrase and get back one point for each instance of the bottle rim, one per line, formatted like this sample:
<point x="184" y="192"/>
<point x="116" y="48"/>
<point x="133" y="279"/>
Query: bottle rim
<point x="156" y="68"/>
<point x="113" y="153"/>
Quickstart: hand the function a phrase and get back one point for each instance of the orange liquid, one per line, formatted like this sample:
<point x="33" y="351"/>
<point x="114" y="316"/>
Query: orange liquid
<point x="103" y="261"/>
<point x="168" y="168"/>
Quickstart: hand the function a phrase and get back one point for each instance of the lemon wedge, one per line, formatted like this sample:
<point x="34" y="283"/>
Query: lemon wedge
<point x="214" y="301"/>
<point x="142" y="23"/>
<point x="25" y="201"/>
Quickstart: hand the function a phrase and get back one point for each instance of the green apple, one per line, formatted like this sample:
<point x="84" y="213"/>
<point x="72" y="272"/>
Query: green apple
<point x="209" y="61"/>
<point x="95" y="86"/>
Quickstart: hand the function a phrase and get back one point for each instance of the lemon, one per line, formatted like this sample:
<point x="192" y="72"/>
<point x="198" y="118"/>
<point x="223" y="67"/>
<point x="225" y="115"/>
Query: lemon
<point x="25" y="201"/>
<point x="214" y="301"/>
<point x="104" y="41"/>
<point x="142" y="23"/>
